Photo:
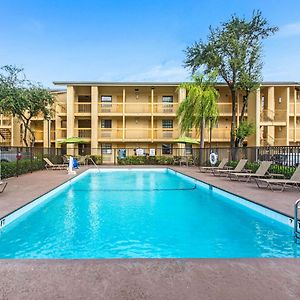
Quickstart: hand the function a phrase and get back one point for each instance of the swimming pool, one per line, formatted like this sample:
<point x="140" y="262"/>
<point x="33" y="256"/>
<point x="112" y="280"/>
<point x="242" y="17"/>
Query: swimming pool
<point x="138" y="213"/>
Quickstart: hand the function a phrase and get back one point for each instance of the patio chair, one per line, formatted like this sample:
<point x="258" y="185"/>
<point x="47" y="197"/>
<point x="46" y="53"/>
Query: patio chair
<point x="82" y="160"/>
<point x="50" y="166"/>
<point x="283" y="183"/>
<point x="184" y="161"/>
<point x="3" y="184"/>
<point x="260" y="173"/>
<point x="238" y="169"/>
<point x="221" y="166"/>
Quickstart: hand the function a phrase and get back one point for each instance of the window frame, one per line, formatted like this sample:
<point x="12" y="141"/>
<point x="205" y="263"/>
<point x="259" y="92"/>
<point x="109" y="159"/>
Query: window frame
<point x="164" y="126"/>
<point x="167" y="149"/>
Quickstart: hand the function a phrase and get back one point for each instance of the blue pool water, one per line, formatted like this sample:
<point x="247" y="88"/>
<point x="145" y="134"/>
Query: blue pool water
<point x="143" y="214"/>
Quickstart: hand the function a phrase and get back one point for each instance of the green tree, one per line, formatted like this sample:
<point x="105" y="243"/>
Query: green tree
<point x="234" y="49"/>
<point x="199" y="106"/>
<point x="244" y="129"/>
<point x="23" y="99"/>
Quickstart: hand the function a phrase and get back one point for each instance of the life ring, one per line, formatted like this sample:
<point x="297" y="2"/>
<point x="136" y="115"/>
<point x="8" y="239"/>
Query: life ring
<point x="213" y="158"/>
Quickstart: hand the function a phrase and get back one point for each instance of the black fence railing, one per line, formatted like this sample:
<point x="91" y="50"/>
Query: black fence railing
<point x="19" y="160"/>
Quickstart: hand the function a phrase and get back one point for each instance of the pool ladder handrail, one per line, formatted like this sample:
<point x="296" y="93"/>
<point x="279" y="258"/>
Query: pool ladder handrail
<point x="296" y="222"/>
<point x="97" y="167"/>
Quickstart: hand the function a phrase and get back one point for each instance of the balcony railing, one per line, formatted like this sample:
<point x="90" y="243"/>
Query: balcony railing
<point x="110" y="107"/>
<point x="138" y="134"/>
<point x="61" y="107"/>
<point x="82" y="107"/>
<point x="110" y="133"/>
<point x="225" y="108"/>
<point x="267" y="115"/>
<point x="5" y="121"/>
<point x="165" y="133"/>
<point x="137" y="107"/>
<point x="165" y="108"/>
<point x="83" y="132"/>
<point x="292" y="108"/>
<point x="39" y="135"/>
<point x="61" y="133"/>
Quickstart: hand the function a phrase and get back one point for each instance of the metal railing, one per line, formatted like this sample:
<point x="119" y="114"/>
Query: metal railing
<point x="296" y="222"/>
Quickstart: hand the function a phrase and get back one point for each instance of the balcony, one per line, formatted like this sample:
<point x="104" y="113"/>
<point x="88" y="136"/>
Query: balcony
<point x="5" y="121"/>
<point x="270" y="116"/>
<point x="138" y="134"/>
<point x="137" y="108"/>
<point x="220" y="134"/>
<point x="61" y="108"/>
<point x="225" y="109"/>
<point x="292" y="108"/>
<point x="84" y="133"/>
<point x="110" y="134"/>
<point x="83" y="108"/>
<point x="109" y="108"/>
<point x="165" y="108"/>
<point x="61" y="133"/>
<point x="165" y="134"/>
<point x="39" y="135"/>
<point x="292" y="133"/>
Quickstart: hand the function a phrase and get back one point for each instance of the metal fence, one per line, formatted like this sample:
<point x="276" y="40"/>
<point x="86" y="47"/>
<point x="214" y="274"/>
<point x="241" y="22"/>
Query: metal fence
<point x="25" y="160"/>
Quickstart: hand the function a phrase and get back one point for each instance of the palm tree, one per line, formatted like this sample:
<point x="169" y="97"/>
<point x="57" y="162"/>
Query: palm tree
<point x="200" y="105"/>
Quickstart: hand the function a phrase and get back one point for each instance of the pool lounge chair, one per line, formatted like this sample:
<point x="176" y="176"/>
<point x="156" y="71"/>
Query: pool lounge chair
<point x="238" y="169"/>
<point x="283" y="183"/>
<point x="50" y="166"/>
<point x="3" y="185"/>
<point x="261" y="172"/>
<point x="221" y="166"/>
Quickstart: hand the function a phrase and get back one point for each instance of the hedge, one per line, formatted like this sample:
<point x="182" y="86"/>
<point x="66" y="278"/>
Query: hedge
<point x="23" y="166"/>
<point x="146" y="160"/>
<point x="275" y="169"/>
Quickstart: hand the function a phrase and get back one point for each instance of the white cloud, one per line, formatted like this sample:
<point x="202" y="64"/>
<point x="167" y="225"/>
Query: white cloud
<point x="291" y="29"/>
<point x="165" y="72"/>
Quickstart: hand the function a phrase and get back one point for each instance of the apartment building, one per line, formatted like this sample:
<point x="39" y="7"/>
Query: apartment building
<point x="143" y="115"/>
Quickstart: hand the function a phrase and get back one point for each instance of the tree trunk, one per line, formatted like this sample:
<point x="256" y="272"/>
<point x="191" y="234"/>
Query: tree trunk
<point x="233" y="123"/>
<point x="202" y="127"/>
<point x="245" y="104"/>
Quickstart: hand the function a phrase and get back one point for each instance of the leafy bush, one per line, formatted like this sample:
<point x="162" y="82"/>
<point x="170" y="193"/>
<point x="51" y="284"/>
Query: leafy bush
<point x="23" y="166"/>
<point x="146" y="160"/>
<point x="96" y="158"/>
<point x="275" y="169"/>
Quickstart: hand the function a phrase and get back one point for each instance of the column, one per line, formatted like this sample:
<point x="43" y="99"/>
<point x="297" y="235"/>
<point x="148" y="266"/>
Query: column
<point x="70" y="117"/>
<point x="295" y="115"/>
<point x="287" y="116"/>
<point x="46" y="133"/>
<point x="94" y="120"/>
<point x="152" y="120"/>
<point x="271" y="115"/>
<point x="123" y="115"/>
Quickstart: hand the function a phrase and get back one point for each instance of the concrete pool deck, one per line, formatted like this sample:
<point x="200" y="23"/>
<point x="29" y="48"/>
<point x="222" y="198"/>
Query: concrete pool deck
<point x="147" y="278"/>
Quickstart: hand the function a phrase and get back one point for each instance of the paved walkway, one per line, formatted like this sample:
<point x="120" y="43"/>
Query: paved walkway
<point x="280" y="201"/>
<point x="147" y="279"/>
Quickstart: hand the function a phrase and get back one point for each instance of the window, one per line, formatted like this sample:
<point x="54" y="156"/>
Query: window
<point x="167" y="149"/>
<point x="105" y="123"/>
<point x="106" y="149"/>
<point x="106" y="99"/>
<point x="167" y="99"/>
<point x="188" y="149"/>
<point x="167" y="123"/>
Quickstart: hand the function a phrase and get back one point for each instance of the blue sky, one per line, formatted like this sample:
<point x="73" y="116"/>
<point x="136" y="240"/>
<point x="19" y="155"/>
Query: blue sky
<point x="133" y="40"/>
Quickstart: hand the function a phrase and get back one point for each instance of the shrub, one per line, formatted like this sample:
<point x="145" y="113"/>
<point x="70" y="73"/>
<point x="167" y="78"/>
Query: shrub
<point x="23" y="166"/>
<point x="146" y="160"/>
<point x="96" y="158"/>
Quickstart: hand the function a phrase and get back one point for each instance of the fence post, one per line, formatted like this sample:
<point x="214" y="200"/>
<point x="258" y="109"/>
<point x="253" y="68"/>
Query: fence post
<point x="30" y="149"/>
<point x="17" y="162"/>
